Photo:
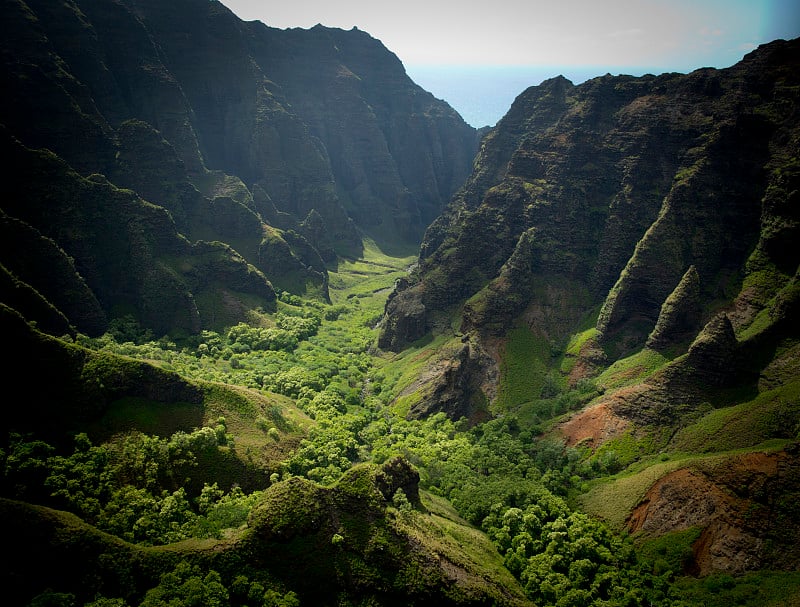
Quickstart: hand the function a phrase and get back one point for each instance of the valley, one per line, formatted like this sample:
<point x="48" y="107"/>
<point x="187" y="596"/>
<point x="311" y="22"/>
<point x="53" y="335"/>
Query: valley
<point x="342" y="405"/>
<point x="284" y="330"/>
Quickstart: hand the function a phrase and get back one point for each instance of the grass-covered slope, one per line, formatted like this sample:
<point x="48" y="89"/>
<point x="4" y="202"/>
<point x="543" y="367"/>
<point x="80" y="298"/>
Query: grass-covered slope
<point x="106" y="394"/>
<point x="177" y="476"/>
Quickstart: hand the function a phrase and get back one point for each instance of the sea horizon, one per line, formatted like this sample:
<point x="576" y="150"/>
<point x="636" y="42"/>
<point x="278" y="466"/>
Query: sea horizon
<point x="482" y="94"/>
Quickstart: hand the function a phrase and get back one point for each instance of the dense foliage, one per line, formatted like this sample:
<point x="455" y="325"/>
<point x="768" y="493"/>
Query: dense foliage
<point x="216" y="412"/>
<point x="502" y="476"/>
<point x="186" y="585"/>
<point x="134" y="487"/>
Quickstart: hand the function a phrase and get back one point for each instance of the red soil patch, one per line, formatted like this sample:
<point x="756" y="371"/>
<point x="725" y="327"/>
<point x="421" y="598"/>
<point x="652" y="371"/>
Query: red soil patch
<point x="592" y="426"/>
<point x="730" y="501"/>
<point x="679" y="500"/>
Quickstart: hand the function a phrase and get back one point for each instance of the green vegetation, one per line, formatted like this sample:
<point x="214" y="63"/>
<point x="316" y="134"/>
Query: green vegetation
<point x="672" y="551"/>
<point x="631" y="446"/>
<point x="524" y="371"/>
<point x="631" y="370"/>
<point x="295" y="409"/>
<point x="578" y="340"/>
<point x="199" y="410"/>
<point x="764" y="588"/>
<point x="137" y="487"/>
<point x="773" y="414"/>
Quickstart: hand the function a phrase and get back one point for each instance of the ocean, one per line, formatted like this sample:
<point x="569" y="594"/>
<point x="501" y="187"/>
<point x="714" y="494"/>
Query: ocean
<point x="483" y="94"/>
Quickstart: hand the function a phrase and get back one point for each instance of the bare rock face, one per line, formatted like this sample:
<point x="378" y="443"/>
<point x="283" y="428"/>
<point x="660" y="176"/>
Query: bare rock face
<point x="676" y="502"/>
<point x="709" y="219"/>
<point x="407" y="320"/>
<point x="740" y="505"/>
<point x="685" y="499"/>
<point x="456" y="386"/>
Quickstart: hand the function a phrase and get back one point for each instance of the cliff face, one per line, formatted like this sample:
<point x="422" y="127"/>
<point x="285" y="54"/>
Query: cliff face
<point x="624" y="260"/>
<point x="285" y="145"/>
<point x="659" y="201"/>
<point x="347" y="88"/>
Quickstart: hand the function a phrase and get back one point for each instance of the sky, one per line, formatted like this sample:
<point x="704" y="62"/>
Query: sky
<point x="505" y="46"/>
<point x="673" y="35"/>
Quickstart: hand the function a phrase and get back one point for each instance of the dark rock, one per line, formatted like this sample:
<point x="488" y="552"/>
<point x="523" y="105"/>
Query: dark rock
<point x="713" y="355"/>
<point x="405" y="320"/>
<point x="456" y="387"/>
<point x="396" y="474"/>
<point x="606" y="193"/>
<point x="228" y="126"/>
<point x="680" y="313"/>
<point x="61" y="301"/>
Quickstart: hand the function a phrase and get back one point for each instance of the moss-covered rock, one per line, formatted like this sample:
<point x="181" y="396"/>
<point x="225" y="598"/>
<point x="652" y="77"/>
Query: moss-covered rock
<point x="680" y="313"/>
<point x="328" y="545"/>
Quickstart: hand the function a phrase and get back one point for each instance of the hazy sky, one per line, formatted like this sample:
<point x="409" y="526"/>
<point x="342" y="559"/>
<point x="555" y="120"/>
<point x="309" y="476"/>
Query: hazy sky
<point x="666" y="35"/>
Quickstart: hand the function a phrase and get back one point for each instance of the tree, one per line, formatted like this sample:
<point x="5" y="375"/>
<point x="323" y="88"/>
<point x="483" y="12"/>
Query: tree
<point x="187" y="586"/>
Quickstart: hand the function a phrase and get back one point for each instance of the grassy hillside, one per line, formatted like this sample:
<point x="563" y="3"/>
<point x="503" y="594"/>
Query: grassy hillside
<point x="187" y="439"/>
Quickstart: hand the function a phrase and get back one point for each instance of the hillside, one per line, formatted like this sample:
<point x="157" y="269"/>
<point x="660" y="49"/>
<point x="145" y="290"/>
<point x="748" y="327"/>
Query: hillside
<point x="283" y="330"/>
<point x="221" y="144"/>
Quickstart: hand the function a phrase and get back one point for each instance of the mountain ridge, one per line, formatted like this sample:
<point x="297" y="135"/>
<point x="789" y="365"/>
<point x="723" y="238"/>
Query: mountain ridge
<point x="234" y="128"/>
<point x="619" y="269"/>
<point x="525" y="173"/>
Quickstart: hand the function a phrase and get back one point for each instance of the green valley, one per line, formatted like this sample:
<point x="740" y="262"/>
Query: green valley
<point x="282" y="329"/>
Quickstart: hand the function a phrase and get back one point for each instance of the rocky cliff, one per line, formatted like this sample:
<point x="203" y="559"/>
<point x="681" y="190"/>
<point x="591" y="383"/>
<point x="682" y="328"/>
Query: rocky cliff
<point x="286" y="146"/>
<point x="621" y="268"/>
<point x="646" y="205"/>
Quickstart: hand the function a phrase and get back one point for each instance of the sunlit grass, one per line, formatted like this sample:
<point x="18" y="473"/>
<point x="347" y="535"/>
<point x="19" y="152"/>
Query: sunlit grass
<point x="613" y="498"/>
<point x="445" y="533"/>
<point x="632" y="370"/>
<point x="399" y="372"/>
<point x="771" y="414"/>
<point x="523" y="370"/>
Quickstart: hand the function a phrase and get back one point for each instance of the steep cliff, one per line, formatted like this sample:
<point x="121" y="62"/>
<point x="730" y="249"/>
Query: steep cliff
<point x="624" y="258"/>
<point x="645" y="204"/>
<point x="285" y="145"/>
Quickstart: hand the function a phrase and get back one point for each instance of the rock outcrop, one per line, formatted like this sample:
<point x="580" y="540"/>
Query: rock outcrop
<point x="739" y="507"/>
<point x="680" y="313"/>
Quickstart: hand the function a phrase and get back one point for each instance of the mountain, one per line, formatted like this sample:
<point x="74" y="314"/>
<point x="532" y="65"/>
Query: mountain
<point x="230" y="379"/>
<point x="623" y="257"/>
<point x="652" y="204"/>
<point x="265" y="153"/>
